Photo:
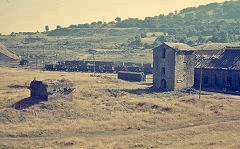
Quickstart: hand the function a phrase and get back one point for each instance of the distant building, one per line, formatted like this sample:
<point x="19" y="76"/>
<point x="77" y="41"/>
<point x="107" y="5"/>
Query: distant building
<point x="220" y="69"/>
<point x="173" y="66"/>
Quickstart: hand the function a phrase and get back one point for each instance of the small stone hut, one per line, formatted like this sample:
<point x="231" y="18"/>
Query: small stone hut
<point x="38" y="89"/>
<point x="50" y="88"/>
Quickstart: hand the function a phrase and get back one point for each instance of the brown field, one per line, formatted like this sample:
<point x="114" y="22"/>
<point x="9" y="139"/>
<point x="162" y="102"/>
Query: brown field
<point x="109" y="113"/>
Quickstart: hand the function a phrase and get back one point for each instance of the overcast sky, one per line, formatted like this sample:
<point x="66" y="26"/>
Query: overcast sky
<point x="33" y="15"/>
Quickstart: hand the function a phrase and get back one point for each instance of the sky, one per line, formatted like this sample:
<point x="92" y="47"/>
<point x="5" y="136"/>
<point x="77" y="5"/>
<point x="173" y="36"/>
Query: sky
<point x="34" y="15"/>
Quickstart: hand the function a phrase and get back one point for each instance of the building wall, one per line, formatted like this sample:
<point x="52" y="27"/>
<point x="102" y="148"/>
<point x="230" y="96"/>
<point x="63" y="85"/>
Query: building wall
<point x="38" y="89"/>
<point x="218" y="79"/>
<point x="184" y="70"/>
<point x="163" y="68"/>
<point x="132" y="76"/>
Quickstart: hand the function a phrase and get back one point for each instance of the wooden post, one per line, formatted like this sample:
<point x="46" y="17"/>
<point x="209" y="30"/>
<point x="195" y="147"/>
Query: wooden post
<point x="200" y="81"/>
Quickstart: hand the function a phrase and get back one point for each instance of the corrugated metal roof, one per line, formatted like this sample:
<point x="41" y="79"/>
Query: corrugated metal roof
<point x="179" y="46"/>
<point x="216" y="46"/>
<point x="228" y="59"/>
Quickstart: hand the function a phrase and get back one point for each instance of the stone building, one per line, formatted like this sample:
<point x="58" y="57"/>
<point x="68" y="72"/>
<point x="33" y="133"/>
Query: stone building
<point x="173" y="66"/>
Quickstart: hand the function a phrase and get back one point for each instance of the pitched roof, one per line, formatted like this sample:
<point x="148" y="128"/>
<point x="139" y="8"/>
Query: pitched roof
<point x="215" y="46"/>
<point x="179" y="46"/>
<point x="228" y="59"/>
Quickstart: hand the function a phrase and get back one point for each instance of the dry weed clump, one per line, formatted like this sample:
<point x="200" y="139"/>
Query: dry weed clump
<point x="145" y="107"/>
<point x="115" y="93"/>
<point x="9" y="115"/>
<point x="190" y="101"/>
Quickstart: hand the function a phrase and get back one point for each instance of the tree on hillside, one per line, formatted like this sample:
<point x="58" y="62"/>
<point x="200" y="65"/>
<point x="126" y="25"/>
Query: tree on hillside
<point x="134" y="43"/>
<point x="46" y="28"/>
<point x="143" y="35"/>
<point x="118" y="19"/>
<point x="86" y="25"/>
<point x="161" y="38"/>
<point x="58" y="27"/>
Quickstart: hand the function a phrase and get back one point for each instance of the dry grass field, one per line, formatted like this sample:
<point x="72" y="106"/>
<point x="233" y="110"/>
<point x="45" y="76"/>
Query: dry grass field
<point x="109" y="113"/>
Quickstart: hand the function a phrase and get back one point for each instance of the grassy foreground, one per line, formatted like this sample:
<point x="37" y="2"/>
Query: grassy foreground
<point x="109" y="113"/>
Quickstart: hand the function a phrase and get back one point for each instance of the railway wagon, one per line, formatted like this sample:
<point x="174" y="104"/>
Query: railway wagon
<point x="134" y="68"/>
<point x="60" y="67"/>
<point x="50" y="67"/>
<point x="102" y="66"/>
<point x="147" y="69"/>
<point x="75" y="65"/>
<point x="99" y="66"/>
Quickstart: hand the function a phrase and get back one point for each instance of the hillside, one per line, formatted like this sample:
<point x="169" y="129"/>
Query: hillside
<point x="6" y="55"/>
<point x="215" y="22"/>
<point x="131" y="39"/>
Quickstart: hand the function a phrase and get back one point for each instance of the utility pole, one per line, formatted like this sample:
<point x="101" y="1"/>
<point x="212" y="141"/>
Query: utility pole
<point x="93" y="64"/>
<point x="36" y="62"/>
<point x="65" y="54"/>
<point x="43" y="56"/>
<point x="200" y="81"/>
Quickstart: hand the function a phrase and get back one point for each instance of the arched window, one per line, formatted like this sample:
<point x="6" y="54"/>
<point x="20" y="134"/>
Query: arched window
<point x="163" y="84"/>
<point x="163" y="53"/>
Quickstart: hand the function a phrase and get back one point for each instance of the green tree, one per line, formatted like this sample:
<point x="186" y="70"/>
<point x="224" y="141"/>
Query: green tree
<point x="118" y="19"/>
<point x="86" y="25"/>
<point x="161" y="38"/>
<point x="201" y="39"/>
<point x="46" y="28"/>
<point x="143" y="35"/>
<point x="135" y="42"/>
<point x="147" y="46"/>
<point x="58" y="27"/>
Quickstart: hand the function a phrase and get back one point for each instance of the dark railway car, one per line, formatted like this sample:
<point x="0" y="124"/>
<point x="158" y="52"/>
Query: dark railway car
<point x="109" y="69"/>
<point x="100" y="66"/>
<point x="75" y="66"/>
<point x="74" y="62"/>
<point x="134" y="68"/>
<point x="50" y="67"/>
<point x="147" y="68"/>
<point x="120" y="68"/>
<point x="60" y="67"/>
<point x="130" y="64"/>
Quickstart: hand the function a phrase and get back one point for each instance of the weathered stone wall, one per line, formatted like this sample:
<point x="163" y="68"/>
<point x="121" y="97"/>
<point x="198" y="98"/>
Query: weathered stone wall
<point x="38" y="89"/>
<point x="173" y="69"/>
<point x="160" y="63"/>
<point x="184" y="70"/>
<point x="219" y="79"/>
